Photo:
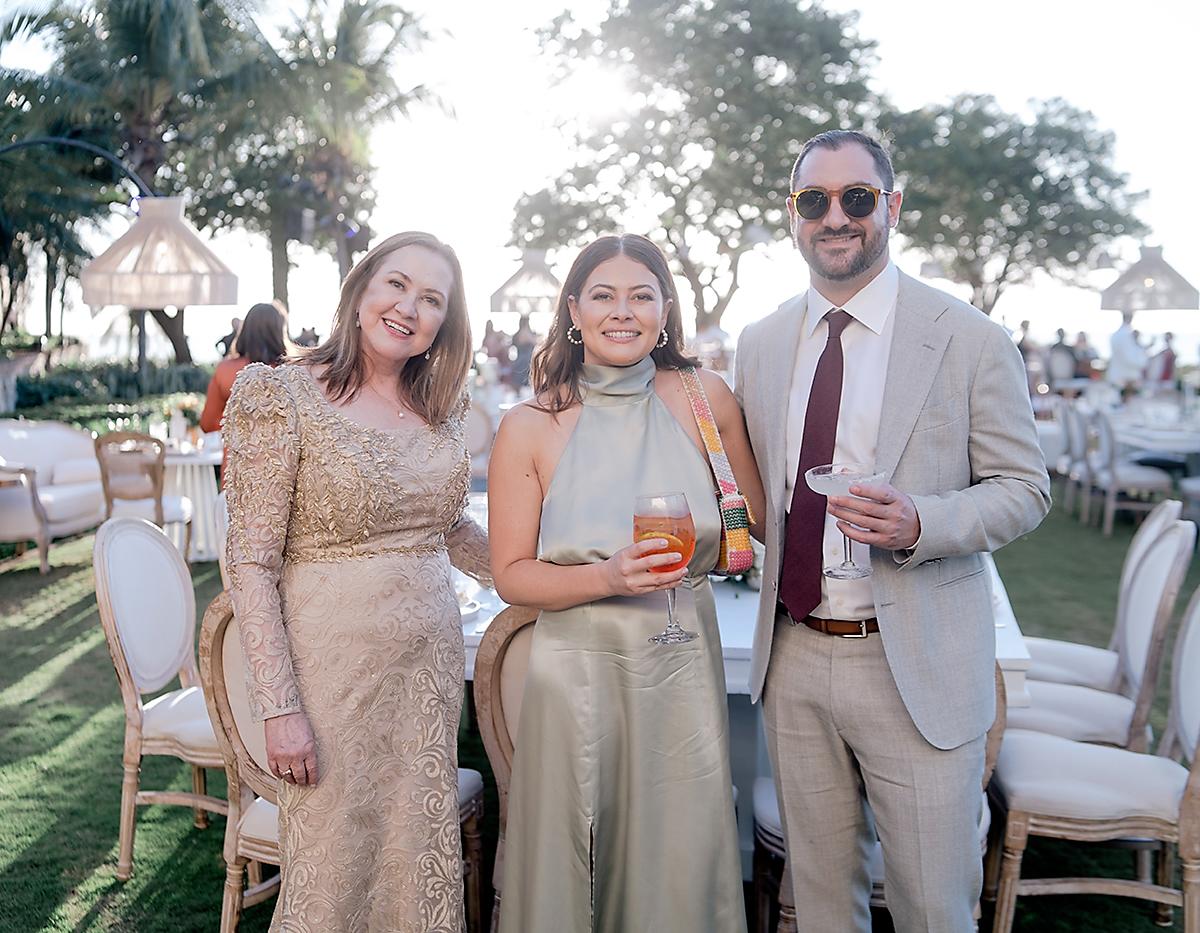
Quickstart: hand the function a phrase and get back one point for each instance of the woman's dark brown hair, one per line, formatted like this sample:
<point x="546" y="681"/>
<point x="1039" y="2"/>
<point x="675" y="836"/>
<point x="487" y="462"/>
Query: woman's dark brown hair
<point x="263" y="337"/>
<point x="431" y="387"/>
<point x="557" y="363"/>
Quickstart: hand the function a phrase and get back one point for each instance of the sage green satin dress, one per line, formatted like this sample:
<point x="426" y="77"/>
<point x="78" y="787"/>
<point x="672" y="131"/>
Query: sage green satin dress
<point x="620" y="813"/>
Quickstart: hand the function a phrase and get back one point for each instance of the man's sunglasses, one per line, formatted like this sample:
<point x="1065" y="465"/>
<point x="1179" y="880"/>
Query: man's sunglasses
<point x="858" y="201"/>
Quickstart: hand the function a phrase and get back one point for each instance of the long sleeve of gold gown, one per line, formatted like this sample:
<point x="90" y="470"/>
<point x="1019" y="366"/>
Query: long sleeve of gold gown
<point x="262" y="440"/>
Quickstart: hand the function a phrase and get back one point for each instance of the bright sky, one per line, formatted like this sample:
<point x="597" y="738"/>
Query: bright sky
<point x="458" y="175"/>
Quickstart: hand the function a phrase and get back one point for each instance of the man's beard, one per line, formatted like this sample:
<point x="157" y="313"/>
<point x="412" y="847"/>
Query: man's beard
<point x="870" y="251"/>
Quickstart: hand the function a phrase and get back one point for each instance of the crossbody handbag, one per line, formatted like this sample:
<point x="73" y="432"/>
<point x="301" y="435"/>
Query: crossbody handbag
<point x="736" y="554"/>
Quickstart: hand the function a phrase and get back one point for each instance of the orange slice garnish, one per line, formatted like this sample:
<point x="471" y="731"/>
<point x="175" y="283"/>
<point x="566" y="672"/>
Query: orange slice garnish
<point x="673" y="543"/>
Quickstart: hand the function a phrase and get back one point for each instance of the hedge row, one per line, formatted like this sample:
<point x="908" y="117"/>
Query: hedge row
<point x="103" y="383"/>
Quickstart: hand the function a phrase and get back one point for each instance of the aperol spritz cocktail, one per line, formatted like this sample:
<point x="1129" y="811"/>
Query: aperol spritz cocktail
<point x="667" y="516"/>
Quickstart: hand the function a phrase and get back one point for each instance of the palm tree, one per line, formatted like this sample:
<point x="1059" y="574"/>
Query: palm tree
<point x="291" y="159"/>
<point x="344" y="65"/>
<point x="134" y="64"/>
<point x="45" y="196"/>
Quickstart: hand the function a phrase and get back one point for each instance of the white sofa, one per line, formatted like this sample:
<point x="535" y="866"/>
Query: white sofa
<point x="49" y="483"/>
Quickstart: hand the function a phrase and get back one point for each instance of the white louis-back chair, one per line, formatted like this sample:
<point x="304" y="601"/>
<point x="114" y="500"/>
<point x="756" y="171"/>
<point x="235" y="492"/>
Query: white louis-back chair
<point x="252" y="830"/>
<point x="1125" y="485"/>
<point x="133" y="474"/>
<point x="1074" y="464"/>
<point x="1086" y="714"/>
<point x="148" y="611"/>
<point x="1068" y="662"/>
<point x="1057" y="788"/>
<point x="501" y="664"/>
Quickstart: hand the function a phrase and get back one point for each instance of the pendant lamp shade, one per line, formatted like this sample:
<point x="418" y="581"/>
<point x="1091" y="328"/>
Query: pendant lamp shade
<point x="160" y="262"/>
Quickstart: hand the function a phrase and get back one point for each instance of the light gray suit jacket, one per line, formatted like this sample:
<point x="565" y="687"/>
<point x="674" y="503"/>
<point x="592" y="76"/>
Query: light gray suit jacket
<point x="956" y="434"/>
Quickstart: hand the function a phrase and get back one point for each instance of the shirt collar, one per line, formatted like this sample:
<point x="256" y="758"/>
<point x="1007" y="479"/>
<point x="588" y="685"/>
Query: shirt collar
<point x="871" y="306"/>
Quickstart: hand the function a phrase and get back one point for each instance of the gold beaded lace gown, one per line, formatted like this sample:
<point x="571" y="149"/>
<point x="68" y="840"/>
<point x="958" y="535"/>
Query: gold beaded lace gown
<point x="340" y="543"/>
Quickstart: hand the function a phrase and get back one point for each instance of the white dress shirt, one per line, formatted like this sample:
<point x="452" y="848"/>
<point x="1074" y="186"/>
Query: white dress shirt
<point x="866" y="348"/>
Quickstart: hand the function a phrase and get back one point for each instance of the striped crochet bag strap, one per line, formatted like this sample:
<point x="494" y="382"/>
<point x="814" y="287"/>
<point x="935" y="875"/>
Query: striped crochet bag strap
<point x="708" y="431"/>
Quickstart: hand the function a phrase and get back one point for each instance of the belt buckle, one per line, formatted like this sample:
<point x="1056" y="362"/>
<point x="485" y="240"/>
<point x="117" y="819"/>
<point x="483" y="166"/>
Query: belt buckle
<point x="862" y="630"/>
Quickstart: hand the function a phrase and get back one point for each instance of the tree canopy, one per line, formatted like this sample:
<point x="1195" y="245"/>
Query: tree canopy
<point x="723" y="91"/>
<point x="994" y="197"/>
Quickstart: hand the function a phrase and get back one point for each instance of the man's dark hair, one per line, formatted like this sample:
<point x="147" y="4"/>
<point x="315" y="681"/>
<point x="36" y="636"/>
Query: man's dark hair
<point x="835" y="139"/>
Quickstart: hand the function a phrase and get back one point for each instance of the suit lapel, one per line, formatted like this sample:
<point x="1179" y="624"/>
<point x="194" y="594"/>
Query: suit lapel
<point x="779" y="364"/>
<point x="918" y="344"/>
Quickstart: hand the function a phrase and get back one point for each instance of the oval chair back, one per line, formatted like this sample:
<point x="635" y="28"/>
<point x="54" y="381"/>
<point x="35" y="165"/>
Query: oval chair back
<point x="147" y="605"/>
<point x="1076" y="429"/>
<point x="501" y="664"/>
<point x="242" y="740"/>
<point x="132" y="466"/>
<point x="1104" y="457"/>
<point x="1161" y="517"/>
<point x="1153" y="589"/>
<point x="1185" y="687"/>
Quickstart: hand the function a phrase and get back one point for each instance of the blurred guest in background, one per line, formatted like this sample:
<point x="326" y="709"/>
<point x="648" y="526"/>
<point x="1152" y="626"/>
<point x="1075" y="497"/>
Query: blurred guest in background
<point x="1128" y="360"/>
<point x="1160" y="371"/>
<point x="308" y="338"/>
<point x="524" y="340"/>
<point x="498" y="347"/>
<point x="1061" y="362"/>
<point x="1024" y="343"/>
<point x="226" y="344"/>
<point x="1084" y="355"/>
<point x="262" y="339"/>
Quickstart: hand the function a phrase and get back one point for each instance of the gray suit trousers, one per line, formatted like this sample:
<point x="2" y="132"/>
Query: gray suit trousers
<point x="850" y="763"/>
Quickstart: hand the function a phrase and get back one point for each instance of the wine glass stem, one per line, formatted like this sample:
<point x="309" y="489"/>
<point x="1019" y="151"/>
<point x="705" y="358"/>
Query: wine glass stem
<point x="846" y="547"/>
<point x="672" y="625"/>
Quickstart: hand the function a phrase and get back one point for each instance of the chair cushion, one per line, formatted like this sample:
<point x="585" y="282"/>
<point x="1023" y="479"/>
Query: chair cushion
<point x="70" y="501"/>
<point x="470" y="786"/>
<point x="175" y="509"/>
<point x="1053" y="776"/>
<point x="260" y="822"/>
<point x="182" y="717"/>
<point x="1066" y="662"/>
<point x="76" y="470"/>
<point x="1073" y="712"/>
<point x="1136" y="476"/>
<point x="766" y="806"/>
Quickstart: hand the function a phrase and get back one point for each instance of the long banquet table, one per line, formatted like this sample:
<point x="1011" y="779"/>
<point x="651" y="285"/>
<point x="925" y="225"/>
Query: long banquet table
<point x="737" y="609"/>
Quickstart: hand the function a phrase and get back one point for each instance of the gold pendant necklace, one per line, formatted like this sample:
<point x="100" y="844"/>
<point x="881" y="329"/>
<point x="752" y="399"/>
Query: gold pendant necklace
<point x="393" y="404"/>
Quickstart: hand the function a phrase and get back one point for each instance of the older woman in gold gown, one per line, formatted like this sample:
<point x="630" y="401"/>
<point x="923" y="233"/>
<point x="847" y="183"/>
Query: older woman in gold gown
<point x="347" y="483"/>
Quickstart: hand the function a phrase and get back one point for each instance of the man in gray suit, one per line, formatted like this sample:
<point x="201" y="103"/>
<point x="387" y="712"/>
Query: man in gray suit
<point x="878" y="691"/>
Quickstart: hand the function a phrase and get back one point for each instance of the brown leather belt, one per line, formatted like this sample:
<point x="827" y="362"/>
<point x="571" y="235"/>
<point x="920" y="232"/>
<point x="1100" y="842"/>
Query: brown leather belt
<point x="840" y="627"/>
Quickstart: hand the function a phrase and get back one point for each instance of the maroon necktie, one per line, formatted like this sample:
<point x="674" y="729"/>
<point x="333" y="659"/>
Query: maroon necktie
<point x="800" y="580"/>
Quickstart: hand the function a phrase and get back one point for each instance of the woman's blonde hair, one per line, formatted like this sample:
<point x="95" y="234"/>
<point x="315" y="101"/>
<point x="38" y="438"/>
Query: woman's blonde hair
<point x="431" y="387"/>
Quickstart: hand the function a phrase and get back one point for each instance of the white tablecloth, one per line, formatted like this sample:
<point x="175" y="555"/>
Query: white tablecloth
<point x="193" y="474"/>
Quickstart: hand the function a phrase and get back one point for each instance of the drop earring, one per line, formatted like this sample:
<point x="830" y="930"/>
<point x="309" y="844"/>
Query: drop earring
<point x="427" y="352"/>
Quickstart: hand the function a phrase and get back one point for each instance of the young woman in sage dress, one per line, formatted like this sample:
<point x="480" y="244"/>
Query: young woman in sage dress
<point x="620" y="814"/>
<point x="347" y="483"/>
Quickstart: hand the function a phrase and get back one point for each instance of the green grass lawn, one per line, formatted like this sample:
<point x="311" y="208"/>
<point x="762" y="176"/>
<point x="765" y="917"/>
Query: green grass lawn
<point x="61" y="731"/>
